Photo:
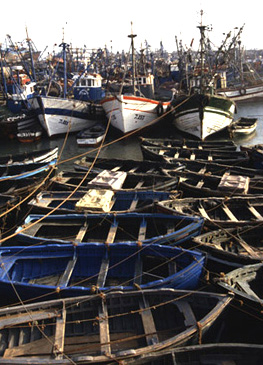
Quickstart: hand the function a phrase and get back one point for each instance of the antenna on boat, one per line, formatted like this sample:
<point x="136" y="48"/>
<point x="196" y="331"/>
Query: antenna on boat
<point x="133" y="58"/>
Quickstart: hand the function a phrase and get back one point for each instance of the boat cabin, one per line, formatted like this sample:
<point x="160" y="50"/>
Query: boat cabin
<point x="20" y="89"/>
<point x="88" y="87"/>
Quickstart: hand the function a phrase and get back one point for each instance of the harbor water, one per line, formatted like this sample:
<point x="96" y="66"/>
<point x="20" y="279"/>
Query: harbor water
<point x="118" y="146"/>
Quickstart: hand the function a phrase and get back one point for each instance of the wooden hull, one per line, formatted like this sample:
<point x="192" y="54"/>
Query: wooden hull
<point x="109" y="228"/>
<point x="151" y="167"/>
<point x="59" y="270"/>
<point x="245" y="283"/>
<point x="231" y="248"/>
<point x="42" y="156"/>
<point x="211" y="168"/>
<point x="218" y="212"/>
<point x="242" y="93"/>
<point x="173" y="154"/>
<point x="92" y="136"/>
<point x="29" y="136"/>
<point x="117" y="326"/>
<point x="60" y="202"/>
<point x="60" y="116"/>
<point x="203" y="115"/>
<point x="69" y="180"/>
<point x="194" y="185"/>
<point x="243" y="126"/>
<point x="128" y="113"/>
<point x="234" y="353"/>
<point x="188" y="143"/>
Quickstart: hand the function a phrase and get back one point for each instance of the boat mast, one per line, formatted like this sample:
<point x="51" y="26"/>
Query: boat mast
<point x="64" y="50"/>
<point x="31" y="55"/>
<point x="133" y="59"/>
<point x="202" y="53"/>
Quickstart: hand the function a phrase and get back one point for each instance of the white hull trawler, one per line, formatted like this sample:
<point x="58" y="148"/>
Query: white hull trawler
<point x="201" y="115"/>
<point x="201" y="112"/>
<point x="128" y="112"/>
<point x="60" y="116"/>
<point x="242" y="93"/>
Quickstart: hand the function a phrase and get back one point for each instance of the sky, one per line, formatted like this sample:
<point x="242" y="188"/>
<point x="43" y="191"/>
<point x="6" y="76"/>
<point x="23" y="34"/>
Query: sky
<point x="104" y="22"/>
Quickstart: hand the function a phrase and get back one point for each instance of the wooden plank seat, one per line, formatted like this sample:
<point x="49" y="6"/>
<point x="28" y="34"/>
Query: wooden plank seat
<point x="112" y="233"/>
<point x="138" y="271"/>
<point x="148" y="322"/>
<point x="104" y="267"/>
<point x="65" y="277"/>
<point x="104" y="329"/>
<point x="81" y="233"/>
<point x="142" y="231"/>
<point x="58" y="347"/>
<point x="134" y="203"/>
<point x="228" y="212"/>
<point x="255" y="212"/>
<point x="188" y="313"/>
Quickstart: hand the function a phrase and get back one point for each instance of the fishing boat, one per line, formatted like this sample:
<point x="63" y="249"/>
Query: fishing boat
<point x="216" y="114"/>
<point x="107" y="328"/>
<point x="117" y="164"/>
<point x="200" y="112"/>
<point x="179" y="154"/>
<point x="43" y="156"/>
<point x="59" y="270"/>
<point x="91" y="136"/>
<point x="134" y="111"/>
<point x="12" y="125"/>
<point x="218" y="211"/>
<point x="22" y="171"/>
<point x="245" y="283"/>
<point x="109" y="228"/>
<point x="128" y="113"/>
<point x="242" y="92"/>
<point x="92" y="201"/>
<point x="70" y="180"/>
<point x="61" y="114"/>
<point x="33" y="134"/>
<point x="194" y="185"/>
<point x="201" y="168"/>
<point x="14" y="176"/>
<point x="189" y="143"/>
<point x="234" y="353"/>
<point x="239" y="80"/>
<point x="230" y="248"/>
<point x="242" y="126"/>
<point x="19" y="89"/>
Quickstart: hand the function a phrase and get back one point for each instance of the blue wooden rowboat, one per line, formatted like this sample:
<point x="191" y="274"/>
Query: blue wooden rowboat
<point x="121" y="201"/>
<point x="109" y="228"/>
<point x="68" y="270"/>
